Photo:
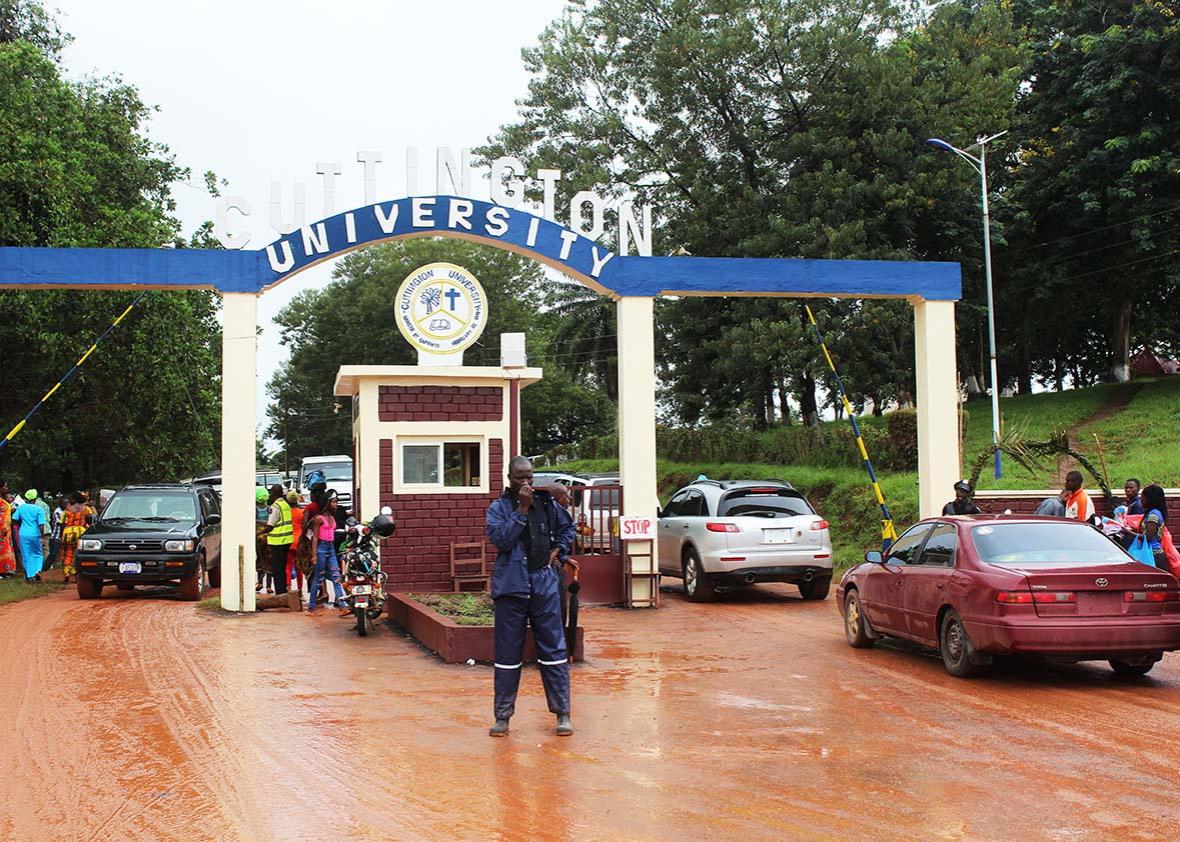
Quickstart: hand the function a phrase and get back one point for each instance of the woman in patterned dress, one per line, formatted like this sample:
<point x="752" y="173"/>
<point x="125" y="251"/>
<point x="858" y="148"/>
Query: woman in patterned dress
<point x="7" y="555"/>
<point x="73" y="523"/>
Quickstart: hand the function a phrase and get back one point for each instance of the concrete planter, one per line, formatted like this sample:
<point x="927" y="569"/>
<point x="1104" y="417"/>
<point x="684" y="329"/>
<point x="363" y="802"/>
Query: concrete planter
<point x="454" y="643"/>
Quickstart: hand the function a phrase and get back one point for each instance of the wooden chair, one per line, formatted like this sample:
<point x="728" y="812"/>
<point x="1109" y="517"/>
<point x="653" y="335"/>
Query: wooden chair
<point x="469" y="565"/>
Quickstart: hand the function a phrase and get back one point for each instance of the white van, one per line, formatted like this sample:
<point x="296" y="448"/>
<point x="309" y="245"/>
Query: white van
<point x="337" y="471"/>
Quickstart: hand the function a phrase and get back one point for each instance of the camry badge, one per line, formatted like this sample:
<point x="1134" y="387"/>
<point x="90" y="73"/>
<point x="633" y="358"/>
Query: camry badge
<point x="133" y="547"/>
<point x="1101" y="582"/>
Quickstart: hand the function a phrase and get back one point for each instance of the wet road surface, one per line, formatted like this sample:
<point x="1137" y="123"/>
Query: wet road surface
<point x="147" y="718"/>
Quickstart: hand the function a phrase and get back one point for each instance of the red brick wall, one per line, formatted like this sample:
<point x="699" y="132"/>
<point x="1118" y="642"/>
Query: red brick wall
<point x="440" y="403"/>
<point x="418" y="557"/>
<point x="1025" y="503"/>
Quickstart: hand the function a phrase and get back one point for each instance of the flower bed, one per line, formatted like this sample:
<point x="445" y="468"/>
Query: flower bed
<point x="456" y="642"/>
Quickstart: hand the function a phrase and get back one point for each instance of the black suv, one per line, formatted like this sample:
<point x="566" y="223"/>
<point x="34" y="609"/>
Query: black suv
<point x="150" y="535"/>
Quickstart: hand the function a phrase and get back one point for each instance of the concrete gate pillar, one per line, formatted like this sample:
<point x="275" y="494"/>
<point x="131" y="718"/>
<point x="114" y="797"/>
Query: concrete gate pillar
<point x="239" y="351"/>
<point x="637" y="422"/>
<point x="938" y="402"/>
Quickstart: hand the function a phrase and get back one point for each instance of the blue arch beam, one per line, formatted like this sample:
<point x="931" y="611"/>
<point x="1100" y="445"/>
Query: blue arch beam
<point x="540" y="239"/>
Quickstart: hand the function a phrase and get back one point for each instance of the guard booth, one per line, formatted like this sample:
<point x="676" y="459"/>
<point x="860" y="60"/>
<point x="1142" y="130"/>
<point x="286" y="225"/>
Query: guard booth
<point x="432" y="443"/>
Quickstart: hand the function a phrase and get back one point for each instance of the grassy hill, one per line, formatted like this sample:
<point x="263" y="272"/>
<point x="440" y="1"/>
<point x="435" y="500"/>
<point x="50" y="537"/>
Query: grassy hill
<point x="1138" y="425"/>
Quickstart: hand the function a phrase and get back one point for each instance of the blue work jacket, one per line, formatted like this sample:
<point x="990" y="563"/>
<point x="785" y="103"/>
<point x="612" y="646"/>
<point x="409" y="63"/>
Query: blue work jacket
<point x="506" y="526"/>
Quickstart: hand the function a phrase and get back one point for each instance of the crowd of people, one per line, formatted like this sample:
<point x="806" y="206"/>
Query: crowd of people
<point x="35" y="537"/>
<point x="295" y="540"/>
<point x="1139" y="522"/>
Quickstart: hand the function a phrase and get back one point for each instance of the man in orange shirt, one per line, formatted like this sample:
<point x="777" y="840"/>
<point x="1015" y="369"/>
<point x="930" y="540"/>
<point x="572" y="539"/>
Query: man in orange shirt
<point x="1078" y="505"/>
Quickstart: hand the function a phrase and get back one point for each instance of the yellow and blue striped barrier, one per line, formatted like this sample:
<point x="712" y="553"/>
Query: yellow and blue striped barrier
<point x="12" y="433"/>
<point x="888" y="533"/>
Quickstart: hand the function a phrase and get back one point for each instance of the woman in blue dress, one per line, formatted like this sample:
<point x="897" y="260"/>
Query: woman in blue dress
<point x="32" y="523"/>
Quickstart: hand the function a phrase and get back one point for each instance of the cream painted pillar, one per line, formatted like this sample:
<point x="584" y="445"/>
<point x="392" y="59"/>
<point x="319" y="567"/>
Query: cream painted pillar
<point x="239" y="347"/>
<point x="637" y="422"/>
<point x="938" y="401"/>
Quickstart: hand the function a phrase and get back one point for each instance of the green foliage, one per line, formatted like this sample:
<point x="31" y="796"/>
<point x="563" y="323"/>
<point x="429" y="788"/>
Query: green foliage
<point x="76" y="169"/>
<point x="770" y="128"/>
<point x="466" y="609"/>
<point x="351" y="321"/>
<point x="17" y="589"/>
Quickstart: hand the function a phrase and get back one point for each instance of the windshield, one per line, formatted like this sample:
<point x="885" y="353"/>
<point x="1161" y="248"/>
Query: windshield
<point x="151" y="507"/>
<point x="757" y="502"/>
<point x="333" y="471"/>
<point x="1046" y="544"/>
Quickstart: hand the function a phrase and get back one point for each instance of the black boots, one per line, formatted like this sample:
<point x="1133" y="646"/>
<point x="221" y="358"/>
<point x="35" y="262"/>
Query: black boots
<point x="500" y="729"/>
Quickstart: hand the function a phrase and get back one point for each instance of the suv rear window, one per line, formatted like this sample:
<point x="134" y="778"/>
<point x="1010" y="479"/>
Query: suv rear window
<point x="764" y="502"/>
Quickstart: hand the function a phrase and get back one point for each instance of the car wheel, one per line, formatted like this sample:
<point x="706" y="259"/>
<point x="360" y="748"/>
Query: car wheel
<point x="89" y="588"/>
<point x="958" y="655"/>
<point x="214" y="577"/>
<point x="192" y="588"/>
<point x="854" y="622"/>
<point x="1126" y="668"/>
<point x="816" y="588"/>
<point x="698" y="585"/>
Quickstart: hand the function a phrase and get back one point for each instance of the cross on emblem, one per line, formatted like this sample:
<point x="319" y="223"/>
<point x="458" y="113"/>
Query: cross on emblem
<point x="452" y="295"/>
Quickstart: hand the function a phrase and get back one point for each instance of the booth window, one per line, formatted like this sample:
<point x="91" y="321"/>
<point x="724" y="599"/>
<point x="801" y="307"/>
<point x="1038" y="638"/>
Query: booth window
<point x="441" y="464"/>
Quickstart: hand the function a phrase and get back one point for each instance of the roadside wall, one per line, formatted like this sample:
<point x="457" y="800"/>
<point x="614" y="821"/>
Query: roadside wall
<point x="1026" y="502"/>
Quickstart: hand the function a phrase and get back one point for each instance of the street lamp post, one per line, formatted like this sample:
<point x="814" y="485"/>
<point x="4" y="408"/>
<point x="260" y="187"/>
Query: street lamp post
<point x="980" y="166"/>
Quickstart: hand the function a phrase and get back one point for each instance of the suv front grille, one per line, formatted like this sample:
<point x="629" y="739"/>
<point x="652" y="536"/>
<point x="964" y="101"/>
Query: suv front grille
<point x="124" y="546"/>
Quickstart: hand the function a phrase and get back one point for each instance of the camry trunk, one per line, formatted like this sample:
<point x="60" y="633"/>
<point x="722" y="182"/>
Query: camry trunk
<point x="1106" y="590"/>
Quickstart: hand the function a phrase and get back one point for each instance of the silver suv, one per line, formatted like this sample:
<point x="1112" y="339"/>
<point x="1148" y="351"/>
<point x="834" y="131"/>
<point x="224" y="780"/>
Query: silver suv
<point x="739" y="532"/>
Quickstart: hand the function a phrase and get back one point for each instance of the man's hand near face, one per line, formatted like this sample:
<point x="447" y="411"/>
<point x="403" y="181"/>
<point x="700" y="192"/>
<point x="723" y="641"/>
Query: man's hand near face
<point x="524" y="499"/>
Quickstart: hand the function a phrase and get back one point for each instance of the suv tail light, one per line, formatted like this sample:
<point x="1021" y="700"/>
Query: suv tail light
<point x="818" y="525"/>
<point x="714" y="526"/>
<point x="1151" y="596"/>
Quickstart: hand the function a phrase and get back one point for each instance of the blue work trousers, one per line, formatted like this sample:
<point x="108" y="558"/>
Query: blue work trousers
<point x="540" y="609"/>
<point x="326" y="567"/>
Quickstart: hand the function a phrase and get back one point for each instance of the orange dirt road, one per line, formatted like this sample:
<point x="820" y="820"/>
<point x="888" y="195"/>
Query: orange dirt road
<point x="750" y="718"/>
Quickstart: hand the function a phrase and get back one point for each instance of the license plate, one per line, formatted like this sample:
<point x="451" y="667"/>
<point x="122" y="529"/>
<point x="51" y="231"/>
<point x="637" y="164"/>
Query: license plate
<point x="130" y="567"/>
<point x="358" y="589"/>
<point x="778" y="536"/>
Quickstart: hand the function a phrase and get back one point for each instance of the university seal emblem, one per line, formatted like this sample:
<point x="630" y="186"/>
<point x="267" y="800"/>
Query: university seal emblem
<point x="441" y="308"/>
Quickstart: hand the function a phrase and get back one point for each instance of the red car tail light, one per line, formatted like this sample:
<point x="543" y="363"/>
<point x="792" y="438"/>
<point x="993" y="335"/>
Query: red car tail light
<point x="713" y="526"/>
<point x="1151" y="596"/>
<point x="1054" y="598"/>
<point x="1014" y="597"/>
<point x="817" y="525"/>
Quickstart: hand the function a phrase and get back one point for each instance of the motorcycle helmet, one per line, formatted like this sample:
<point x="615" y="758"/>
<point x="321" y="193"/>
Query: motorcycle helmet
<point x="383" y="525"/>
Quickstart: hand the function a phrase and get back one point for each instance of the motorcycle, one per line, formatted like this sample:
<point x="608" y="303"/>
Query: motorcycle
<point x="364" y="581"/>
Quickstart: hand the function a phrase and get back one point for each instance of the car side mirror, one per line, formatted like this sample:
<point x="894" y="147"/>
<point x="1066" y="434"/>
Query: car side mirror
<point x="212" y="519"/>
<point x="659" y="512"/>
<point x="874" y="557"/>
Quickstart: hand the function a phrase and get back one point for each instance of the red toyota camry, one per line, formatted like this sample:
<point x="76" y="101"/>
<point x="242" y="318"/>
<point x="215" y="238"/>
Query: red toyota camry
<point x="975" y="587"/>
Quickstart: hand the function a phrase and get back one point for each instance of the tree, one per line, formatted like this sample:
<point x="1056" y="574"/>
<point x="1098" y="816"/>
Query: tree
<point x="768" y="128"/>
<point x="77" y="170"/>
<point x="352" y="321"/>
<point x="1099" y="172"/>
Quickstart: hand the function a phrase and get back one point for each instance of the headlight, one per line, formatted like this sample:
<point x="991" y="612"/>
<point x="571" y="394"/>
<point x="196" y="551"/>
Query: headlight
<point x="90" y="545"/>
<point x="180" y="546"/>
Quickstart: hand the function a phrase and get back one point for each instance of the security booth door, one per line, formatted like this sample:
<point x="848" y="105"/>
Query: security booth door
<point x="884" y="585"/>
<point x="926" y="583"/>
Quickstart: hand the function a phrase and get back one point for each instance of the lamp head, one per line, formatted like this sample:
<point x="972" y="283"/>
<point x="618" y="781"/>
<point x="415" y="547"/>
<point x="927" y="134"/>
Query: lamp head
<point x="940" y="144"/>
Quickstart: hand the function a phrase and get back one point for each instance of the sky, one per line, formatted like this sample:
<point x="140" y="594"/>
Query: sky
<point x="260" y="91"/>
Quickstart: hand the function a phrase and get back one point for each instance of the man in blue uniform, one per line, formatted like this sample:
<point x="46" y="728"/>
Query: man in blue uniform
<point x="532" y="534"/>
